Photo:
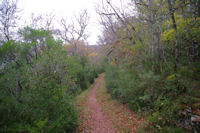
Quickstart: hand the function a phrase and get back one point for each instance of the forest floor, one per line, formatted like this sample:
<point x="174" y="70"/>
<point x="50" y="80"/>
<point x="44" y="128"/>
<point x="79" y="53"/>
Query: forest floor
<point x="99" y="113"/>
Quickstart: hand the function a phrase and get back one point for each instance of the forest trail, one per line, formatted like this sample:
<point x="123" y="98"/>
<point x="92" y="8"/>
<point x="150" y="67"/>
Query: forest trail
<point x="101" y="114"/>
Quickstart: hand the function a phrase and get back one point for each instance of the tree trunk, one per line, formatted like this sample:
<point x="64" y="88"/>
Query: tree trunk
<point x="176" y="51"/>
<point x="198" y="5"/>
<point x="158" y="51"/>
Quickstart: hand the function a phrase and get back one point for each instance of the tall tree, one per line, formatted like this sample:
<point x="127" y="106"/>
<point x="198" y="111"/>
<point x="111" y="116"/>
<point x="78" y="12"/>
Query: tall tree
<point x="73" y="32"/>
<point x="174" y="25"/>
<point x="8" y="18"/>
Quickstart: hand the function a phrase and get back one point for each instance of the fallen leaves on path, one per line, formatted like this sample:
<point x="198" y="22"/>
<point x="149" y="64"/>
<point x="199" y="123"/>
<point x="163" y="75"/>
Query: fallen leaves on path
<point x="123" y="119"/>
<point x="101" y="114"/>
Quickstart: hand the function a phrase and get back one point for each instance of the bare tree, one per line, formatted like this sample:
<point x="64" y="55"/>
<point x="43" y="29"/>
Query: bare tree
<point x="109" y="9"/>
<point x="8" y="18"/>
<point x="115" y="19"/>
<point x="36" y="20"/>
<point x="76" y="30"/>
<point x="42" y="21"/>
<point x="49" y="18"/>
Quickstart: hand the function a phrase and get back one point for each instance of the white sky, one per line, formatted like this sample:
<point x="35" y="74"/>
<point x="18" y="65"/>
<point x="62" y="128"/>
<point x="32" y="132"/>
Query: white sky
<point x="63" y="8"/>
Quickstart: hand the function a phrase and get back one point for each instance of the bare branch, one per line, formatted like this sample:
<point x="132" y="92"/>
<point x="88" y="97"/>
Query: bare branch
<point x="76" y="30"/>
<point x="8" y="18"/>
<point x="36" y="20"/>
<point x="49" y="21"/>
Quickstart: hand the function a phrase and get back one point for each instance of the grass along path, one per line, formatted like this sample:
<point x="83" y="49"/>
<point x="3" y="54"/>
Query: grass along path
<point x="101" y="114"/>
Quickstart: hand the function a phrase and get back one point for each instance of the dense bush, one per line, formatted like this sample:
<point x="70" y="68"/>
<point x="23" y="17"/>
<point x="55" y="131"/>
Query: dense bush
<point x="162" y="97"/>
<point x="38" y="81"/>
<point x="153" y="63"/>
<point x="165" y="96"/>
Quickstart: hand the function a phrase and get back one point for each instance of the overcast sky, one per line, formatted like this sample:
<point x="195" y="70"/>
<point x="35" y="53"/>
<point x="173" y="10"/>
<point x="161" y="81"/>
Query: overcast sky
<point x="64" y="8"/>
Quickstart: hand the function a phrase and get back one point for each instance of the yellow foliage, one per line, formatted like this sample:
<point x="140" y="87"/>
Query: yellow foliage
<point x="93" y="54"/>
<point x="112" y="62"/>
<point x="186" y="28"/>
<point x="168" y="36"/>
<point x="170" y="77"/>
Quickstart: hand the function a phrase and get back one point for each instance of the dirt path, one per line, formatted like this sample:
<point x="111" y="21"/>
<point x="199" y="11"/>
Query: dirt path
<point x="98" y="121"/>
<point x="101" y="114"/>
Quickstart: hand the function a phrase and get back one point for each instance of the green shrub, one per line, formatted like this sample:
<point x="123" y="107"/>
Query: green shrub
<point x="161" y="95"/>
<point x="37" y="87"/>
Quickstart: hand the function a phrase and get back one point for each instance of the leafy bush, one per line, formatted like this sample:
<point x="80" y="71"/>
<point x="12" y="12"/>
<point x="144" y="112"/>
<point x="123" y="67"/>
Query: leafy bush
<point x="43" y="102"/>
<point x="38" y="83"/>
<point x="160" y="95"/>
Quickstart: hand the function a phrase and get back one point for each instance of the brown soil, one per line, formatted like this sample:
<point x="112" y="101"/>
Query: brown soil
<point x="98" y="122"/>
<point x="123" y="119"/>
<point x="96" y="117"/>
